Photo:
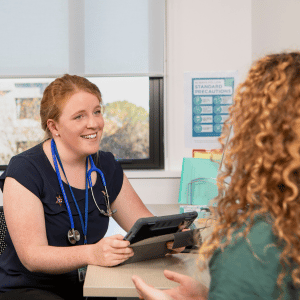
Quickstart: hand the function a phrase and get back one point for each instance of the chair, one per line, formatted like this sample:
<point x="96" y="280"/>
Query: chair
<point x="3" y="229"/>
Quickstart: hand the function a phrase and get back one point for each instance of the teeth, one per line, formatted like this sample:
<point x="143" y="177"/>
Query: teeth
<point x="91" y="136"/>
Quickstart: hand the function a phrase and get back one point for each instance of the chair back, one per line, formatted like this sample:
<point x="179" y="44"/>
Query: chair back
<point x="3" y="229"/>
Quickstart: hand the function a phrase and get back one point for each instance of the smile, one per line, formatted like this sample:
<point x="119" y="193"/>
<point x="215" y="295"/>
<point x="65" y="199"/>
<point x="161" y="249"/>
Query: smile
<point x="90" y="136"/>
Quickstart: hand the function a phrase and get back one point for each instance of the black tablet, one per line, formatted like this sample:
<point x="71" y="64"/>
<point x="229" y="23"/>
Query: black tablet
<point x="145" y="228"/>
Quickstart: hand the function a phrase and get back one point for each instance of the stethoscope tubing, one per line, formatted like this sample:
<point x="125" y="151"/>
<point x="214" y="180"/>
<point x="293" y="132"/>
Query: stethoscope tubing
<point x="93" y="168"/>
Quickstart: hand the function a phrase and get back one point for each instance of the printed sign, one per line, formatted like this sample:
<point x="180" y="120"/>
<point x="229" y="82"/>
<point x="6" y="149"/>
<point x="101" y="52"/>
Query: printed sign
<point x="208" y="96"/>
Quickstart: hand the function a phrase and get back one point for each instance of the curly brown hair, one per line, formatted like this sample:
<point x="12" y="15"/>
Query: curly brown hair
<point x="58" y="92"/>
<point x="263" y="159"/>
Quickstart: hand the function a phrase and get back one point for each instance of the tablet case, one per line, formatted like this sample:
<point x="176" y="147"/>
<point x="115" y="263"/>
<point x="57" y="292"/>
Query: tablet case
<point x="145" y="228"/>
<point x="156" y="247"/>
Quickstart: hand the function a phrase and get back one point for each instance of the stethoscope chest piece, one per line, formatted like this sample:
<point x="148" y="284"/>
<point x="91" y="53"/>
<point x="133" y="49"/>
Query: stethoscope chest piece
<point x="73" y="236"/>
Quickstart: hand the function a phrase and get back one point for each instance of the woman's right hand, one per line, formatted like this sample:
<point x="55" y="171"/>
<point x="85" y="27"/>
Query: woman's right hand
<point x="111" y="251"/>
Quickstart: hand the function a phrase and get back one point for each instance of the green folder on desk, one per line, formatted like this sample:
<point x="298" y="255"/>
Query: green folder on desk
<point x="198" y="181"/>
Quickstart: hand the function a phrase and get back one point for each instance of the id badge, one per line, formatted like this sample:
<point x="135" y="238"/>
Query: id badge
<point x="81" y="273"/>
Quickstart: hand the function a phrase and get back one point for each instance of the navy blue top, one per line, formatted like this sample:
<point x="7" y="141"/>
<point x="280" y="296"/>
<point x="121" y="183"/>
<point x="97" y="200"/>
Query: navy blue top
<point x="33" y="170"/>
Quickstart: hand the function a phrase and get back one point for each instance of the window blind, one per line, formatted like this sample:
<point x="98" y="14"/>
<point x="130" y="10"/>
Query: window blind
<point x="91" y="37"/>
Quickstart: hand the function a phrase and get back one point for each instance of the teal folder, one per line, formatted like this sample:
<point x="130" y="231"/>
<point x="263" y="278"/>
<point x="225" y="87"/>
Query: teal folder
<point x="198" y="181"/>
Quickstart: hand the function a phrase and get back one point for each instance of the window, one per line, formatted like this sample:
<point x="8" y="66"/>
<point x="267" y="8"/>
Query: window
<point x="133" y="120"/>
<point x="28" y="108"/>
<point x="116" y="44"/>
<point x="22" y="146"/>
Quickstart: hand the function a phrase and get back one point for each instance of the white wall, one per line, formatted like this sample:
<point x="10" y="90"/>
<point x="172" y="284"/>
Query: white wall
<point x="201" y="35"/>
<point x="275" y="26"/>
<point x="213" y="35"/>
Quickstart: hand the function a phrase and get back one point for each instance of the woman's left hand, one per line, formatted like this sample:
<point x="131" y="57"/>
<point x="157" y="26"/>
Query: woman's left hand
<point x="148" y="292"/>
<point x="188" y="289"/>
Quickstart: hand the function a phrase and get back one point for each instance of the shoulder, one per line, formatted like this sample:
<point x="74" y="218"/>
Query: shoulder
<point x="106" y="162"/>
<point x="29" y="157"/>
<point x="259" y="243"/>
<point x="112" y="171"/>
<point x="249" y="266"/>
<point x="102" y="155"/>
<point x="262" y="239"/>
<point x="24" y="166"/>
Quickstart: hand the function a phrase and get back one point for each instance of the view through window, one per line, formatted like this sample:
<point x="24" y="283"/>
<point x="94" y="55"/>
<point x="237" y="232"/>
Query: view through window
<point x="126" y="115"/>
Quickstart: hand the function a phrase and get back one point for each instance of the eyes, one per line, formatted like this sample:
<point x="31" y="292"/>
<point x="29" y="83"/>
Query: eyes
<point x="81" y="115"/>
<point x="97" y="112"/>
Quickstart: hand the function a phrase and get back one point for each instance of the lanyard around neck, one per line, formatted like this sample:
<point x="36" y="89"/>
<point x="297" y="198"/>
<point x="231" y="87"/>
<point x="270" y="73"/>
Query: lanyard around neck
<point x="56" y="158"/>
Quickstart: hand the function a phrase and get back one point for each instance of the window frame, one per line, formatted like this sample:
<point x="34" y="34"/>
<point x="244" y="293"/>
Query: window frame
<point x="156" y="131"/>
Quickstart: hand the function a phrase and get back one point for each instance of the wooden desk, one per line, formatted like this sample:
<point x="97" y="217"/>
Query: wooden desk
<point x="116" y="281"/>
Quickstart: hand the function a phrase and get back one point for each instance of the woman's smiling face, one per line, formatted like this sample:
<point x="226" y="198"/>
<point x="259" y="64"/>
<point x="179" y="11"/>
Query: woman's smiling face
<point x="80" y="124"/>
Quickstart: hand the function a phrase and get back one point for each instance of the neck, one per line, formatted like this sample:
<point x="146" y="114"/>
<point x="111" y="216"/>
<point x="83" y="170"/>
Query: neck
<point x="69" y="157"/>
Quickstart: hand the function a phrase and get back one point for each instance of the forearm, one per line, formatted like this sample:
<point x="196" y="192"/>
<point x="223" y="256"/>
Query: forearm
<point x="109" y="251"/>
<point x="127" y="202"/>
<point x="57" y="260"/>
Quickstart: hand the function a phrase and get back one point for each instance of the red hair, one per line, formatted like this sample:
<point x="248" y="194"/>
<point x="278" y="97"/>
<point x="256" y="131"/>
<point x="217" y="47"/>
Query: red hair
<point x="58" y="92"/>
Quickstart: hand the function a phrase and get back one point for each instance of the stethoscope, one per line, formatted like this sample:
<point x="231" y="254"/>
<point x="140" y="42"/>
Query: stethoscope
<point x="74" y="235"/>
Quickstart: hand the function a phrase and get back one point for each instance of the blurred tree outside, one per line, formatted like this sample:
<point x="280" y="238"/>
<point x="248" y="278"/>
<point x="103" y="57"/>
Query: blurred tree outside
<point x="21" y="130"/>
<point x="19" y="137"/>
<point x="28" y="108"/>
<point x="126" y="130"/>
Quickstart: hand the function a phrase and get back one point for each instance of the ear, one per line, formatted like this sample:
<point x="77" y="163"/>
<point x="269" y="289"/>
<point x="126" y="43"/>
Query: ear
<point x="52" y="126"/>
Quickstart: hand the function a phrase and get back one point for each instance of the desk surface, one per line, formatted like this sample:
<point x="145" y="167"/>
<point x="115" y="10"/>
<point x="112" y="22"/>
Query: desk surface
<point x="116" y="281"/>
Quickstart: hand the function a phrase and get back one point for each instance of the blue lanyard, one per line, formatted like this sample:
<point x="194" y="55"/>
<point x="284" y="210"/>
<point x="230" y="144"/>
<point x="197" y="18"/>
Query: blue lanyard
<point x="56" y="157"/>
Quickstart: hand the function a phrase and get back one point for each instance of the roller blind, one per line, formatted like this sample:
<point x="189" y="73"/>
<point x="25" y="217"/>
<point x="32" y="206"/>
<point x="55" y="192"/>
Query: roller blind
<point x="33" y="37"/>
<point x="91" y="37"/>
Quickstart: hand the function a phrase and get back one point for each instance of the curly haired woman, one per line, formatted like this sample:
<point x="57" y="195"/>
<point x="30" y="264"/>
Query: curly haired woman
<point x="255" y="245"/>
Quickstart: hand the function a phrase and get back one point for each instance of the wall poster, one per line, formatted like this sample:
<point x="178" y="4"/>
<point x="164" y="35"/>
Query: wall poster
<point x="208" y="95"/>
